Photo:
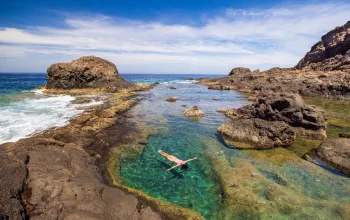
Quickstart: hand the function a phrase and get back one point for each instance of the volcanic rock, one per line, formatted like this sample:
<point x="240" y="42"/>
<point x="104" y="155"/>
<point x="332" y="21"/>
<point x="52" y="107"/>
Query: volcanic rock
<point x="193" y="111"/>
<point x="85" y="72"/>
<point x="288" y="108"/>
<point x="257" y="133"/>
<point x="331" y="53"/>
<point x="336" y="152"/>
<point x="239" y="71"/>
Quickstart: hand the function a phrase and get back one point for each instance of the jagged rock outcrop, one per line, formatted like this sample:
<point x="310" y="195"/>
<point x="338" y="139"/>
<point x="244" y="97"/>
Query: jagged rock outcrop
<point x="239" y="71"/>
<point x="336" y="152"/>
<point x="331" y="53"/>
<point x="85" y="72"/>
<point x="255" y="133"/>
<point x="289" y="108"/>
<point x="193" y="111"/>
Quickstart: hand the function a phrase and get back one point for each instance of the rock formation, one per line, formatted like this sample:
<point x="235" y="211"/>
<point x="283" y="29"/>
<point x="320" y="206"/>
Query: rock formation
<point x="289" y="108"/>
<point x="336" y="152"/>
<point x="85" y="72"/>
<point x="324" y="71"/>
<point x="239" y="71"/>
<point x="331" y="53"/>
<point x="257" y="133"/>
<point x="273" y="120"/>
<point x="193" y="111"/>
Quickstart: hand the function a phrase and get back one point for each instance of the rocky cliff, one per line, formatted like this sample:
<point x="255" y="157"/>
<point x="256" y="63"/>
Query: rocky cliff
<point x="331" y="53"/>
<point x="85" y="72"/>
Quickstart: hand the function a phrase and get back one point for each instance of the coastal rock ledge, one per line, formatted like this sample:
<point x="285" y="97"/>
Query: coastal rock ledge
<point x="273" y="120"/>
<point x="85" y="72"/>
<point x="336" y="152"/>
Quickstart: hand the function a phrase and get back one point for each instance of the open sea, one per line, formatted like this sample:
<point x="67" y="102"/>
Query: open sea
<point x="25" y="110"/>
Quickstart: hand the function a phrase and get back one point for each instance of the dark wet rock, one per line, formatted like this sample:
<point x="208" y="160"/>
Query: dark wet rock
<point x="336" y="153"/>
<point x="344" y="135"/>
<point x="171" y="99"/>
<point x="193" y="111"/>
<point x="12" y="176"/>
<point x="331" y="53"/>
<point x="85" y="72"/>
<point x="189" y="78"/>
<point x="172" y="87"/>
<point x="239" y="71"/>
<point x="257" y="133"/>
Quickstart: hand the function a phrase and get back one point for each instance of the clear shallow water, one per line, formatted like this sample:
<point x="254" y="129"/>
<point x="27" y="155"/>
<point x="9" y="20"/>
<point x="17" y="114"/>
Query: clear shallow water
<point x="226" y="183"/>
<point x="196" y="188"/>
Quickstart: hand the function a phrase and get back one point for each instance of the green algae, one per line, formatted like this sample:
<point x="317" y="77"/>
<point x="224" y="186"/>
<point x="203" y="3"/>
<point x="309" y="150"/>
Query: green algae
<point x="268" y="185"/>
<point x="248" y="184"/>
<point x="302" y="146"/>
<point x="338" y="112"/>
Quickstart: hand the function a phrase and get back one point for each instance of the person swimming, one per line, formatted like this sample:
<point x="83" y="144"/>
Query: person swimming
<point x="183" y="164"/>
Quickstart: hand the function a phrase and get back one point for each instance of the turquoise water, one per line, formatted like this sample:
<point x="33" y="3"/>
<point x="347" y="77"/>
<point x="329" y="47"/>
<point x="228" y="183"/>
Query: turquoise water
<point x="276" y="183"/>
<point x="196" y="188"/>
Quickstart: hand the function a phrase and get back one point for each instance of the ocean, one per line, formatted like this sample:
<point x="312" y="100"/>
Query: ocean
<point x="25" y="110"/>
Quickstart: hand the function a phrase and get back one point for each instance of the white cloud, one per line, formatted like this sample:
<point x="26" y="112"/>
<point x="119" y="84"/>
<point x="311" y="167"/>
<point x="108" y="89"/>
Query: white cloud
<point x="256" y="38"/>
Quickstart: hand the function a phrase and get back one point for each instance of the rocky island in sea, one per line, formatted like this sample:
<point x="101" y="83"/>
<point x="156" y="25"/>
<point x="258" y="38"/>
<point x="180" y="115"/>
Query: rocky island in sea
<point x="274" y="152"/>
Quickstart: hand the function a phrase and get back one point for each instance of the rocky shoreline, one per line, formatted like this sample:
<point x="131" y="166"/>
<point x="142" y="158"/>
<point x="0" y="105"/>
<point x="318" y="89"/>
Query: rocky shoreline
<point x="61" y="173"/>
<point x="67" y="172"/>
<point x="278" y="115"/>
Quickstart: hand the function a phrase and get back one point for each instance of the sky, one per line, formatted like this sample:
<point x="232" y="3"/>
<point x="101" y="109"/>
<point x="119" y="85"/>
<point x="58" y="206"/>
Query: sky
<point x="164" y="36"/>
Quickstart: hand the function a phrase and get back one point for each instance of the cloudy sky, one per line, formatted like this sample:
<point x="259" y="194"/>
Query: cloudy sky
<point x="207" y="36"/>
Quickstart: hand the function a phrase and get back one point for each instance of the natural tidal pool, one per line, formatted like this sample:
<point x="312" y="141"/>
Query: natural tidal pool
<point x="224" y="182"/>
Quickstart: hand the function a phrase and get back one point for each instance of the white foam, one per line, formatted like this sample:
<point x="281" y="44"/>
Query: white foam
<point x="32" y="115"/>
<point x="38" y="91"/>
<point x="180" y="82"/>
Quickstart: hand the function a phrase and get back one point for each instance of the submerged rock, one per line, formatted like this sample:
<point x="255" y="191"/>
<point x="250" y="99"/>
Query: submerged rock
<point x="257" y="133"/>
<point x="85" y="72"/>
<point x="193" y="111"/>
<point x="336" y="152"/>
<point x="171" y="99"/>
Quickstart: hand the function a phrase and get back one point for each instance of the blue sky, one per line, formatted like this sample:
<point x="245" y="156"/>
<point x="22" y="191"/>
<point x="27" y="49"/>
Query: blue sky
<point x="208" y="36"/>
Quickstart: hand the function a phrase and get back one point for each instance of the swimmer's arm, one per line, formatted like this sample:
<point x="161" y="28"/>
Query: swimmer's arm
<point x="190" y="160"/>
<point x="173" y="167"/>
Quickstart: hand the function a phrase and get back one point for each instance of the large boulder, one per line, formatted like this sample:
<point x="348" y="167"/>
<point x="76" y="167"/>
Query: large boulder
<point x="239" y="71"/>
<point x="336" y="152"/>
<point x="85" y="72"/>
<point x="254" y="133"/>
<point x="310" y="121"/>
<point x="331" y="53"/>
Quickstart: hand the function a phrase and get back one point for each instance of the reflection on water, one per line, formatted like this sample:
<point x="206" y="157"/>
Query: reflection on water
<point x="226" y="183"/>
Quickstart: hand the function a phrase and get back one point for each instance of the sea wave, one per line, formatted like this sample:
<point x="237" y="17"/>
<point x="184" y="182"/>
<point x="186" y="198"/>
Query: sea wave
<point x="32" y="115"/>
<point x="180" y="82"/>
